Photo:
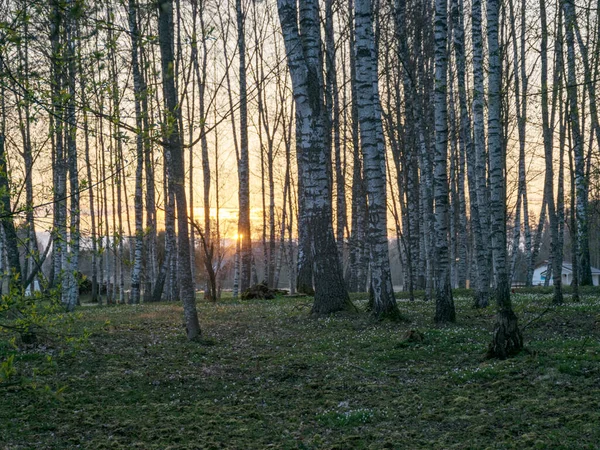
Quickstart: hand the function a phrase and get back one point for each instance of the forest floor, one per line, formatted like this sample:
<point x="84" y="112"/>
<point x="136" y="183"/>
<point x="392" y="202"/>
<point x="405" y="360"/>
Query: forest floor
<point x="267" y="375"/>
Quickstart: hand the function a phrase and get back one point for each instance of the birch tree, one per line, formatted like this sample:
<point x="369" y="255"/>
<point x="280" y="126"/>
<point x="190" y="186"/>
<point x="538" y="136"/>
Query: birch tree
<point x="507" y="338"/>
<point x="444" y="306"/>
<point x="479" y="172"/>
<point x="139" y="91"/>
<point x="300" y="26"/>
<point x="373" y="154"/>
<point x="71" y="288"/>
<point x="174" y="156"/>
<point x="243" y="161"/>
<point x="555" y="252"/>
<point x="581" y="190"/>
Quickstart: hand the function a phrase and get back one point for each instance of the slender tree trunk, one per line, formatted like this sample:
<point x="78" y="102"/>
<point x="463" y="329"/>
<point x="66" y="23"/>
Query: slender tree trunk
<point x="243" y="162"/>
<point x="24" y="112"/>
<point x="201" y="74"/>
<point x="358" y="249"/>
<point x="139" y="91"/>
<point x="560" y="200"/>
<point x="369" y="117"/>
<point x="507" y="338"/>
<point x="72" y="294"/>
<point x="583" y="256"/>
<point x="151" y="263"/>
<point x="174" y="156"/>
<point x="9" y="239"/>
<point x="444" y="306"/>
<point x="333" y="110"/>
<point x="520" y="83"/>
<point x="548" y="153"/>
<point x="573" y="218"/>
<point x="484" y="272"/>
<point x="58" y="160"/>
<point x="92" y="206"/>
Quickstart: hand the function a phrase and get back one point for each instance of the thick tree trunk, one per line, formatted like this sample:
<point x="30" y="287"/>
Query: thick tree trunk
<point x="305" y="65"/>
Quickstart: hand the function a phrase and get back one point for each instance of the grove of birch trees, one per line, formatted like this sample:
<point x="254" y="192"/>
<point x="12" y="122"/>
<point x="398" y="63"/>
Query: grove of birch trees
<point x="172" y="149"/>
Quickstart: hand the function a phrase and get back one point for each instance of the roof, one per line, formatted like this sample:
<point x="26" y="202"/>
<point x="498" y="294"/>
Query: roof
<point x="568" y="267"/>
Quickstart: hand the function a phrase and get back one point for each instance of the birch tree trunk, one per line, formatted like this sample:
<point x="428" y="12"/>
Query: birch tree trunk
<point x="139" y="91"/>
<point x="573" y="216"/>
<point x="555" y="252"/>
<point x="483" y="257"/>
<point x="303" y="47"/>
<point x="465" y="141"/>
<point x="116" y="158"/>
<point x="243" y="162"/>
<point x="359" y="220"/>
<point x="9" y="239"/>
<point x="583" y="256"/>
<point x="58" y="160"/>
<point x="25" y="120"/>
<point x="333" y="112"/>
<point x="560" y="200"/>
<point x="201" y="74"/>
<point x="151" y="263"/>
<point x="88" y="166"/>
<point x="413" y="200"/>
<point x="444" y="305"/>
<point x="287" y="125"/>
<point x="373" y="153"/>
<point x="72" y="294"/>
<point x="174" y="155"/>
<point x="507" y="339"/>
<point x="520" y="83"/>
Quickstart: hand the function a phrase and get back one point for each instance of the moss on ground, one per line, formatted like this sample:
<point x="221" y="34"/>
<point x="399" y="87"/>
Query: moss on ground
<point x="266" y="374"/>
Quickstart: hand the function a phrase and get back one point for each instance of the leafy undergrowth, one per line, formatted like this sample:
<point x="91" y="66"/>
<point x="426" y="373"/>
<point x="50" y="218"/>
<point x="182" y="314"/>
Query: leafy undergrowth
<point x="266" y="375"/>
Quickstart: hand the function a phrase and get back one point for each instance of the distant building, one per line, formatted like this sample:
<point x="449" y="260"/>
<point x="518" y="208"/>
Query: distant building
<point x="36" y="288"/>
<point x="541" y="271"/>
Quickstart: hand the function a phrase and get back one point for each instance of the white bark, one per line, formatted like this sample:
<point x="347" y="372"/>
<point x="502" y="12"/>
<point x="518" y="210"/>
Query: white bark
<point x="583" y="257"/>
<point x="174" y="155"/>
<point x="139" y="91"/>
<point x="243" y="161"/>
<point x="303" y="43"/>
<point x="373" y="154"/>
<point x="507" y="337"/>
<point x="480" y="172"/>
<point x="444" y="311"/>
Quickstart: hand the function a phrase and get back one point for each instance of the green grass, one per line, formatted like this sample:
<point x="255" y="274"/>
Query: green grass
<point x="266" y="375"/>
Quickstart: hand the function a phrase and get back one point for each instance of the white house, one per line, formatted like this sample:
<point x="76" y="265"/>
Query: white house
<point x="541" y="270"/>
